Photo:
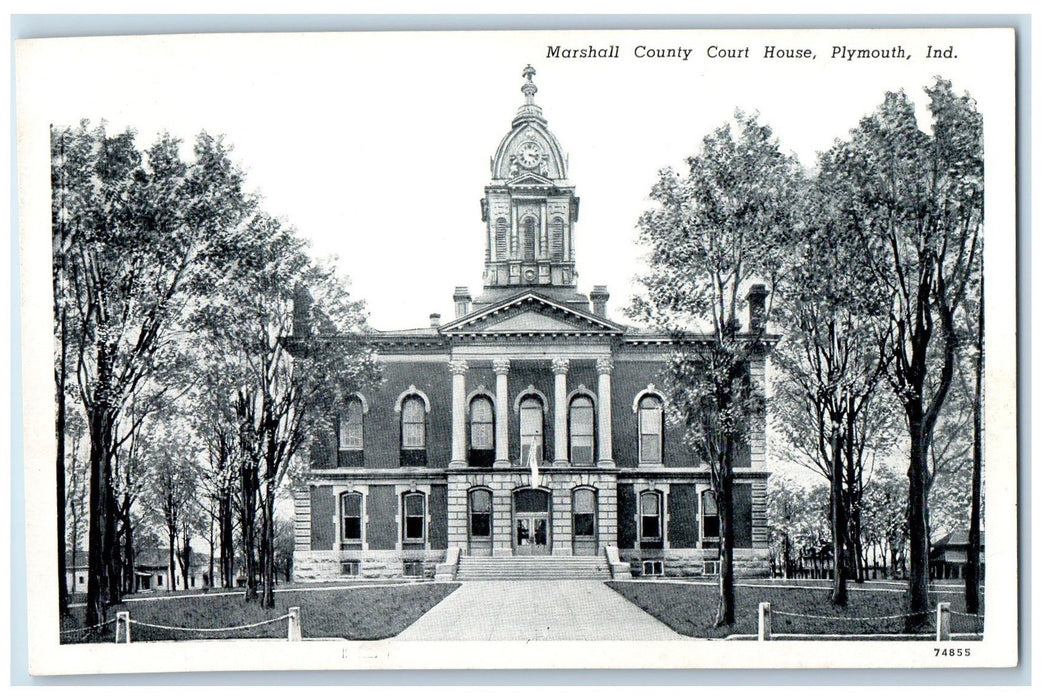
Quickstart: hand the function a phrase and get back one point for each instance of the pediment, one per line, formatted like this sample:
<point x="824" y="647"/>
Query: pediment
<point x="531" y="314"/>
<point x="530" y="180"/>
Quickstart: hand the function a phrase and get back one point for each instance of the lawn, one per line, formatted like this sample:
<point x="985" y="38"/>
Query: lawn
<point x="350" y="613"/>
<point x="691" y="609"/>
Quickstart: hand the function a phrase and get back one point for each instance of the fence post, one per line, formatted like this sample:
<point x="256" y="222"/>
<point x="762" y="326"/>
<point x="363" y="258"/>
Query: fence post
<point x="944" y="622"/>
<point x="294" y="625"/>
<point x="123" y="622"/>
<point x="765" y="622"/>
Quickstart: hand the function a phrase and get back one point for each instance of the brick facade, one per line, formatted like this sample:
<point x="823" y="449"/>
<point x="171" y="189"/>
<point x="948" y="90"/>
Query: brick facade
<point x="530" y="334"/>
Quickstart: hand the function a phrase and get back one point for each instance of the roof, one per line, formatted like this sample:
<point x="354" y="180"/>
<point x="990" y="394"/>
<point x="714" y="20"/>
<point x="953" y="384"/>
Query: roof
<point x="959" y="537"/>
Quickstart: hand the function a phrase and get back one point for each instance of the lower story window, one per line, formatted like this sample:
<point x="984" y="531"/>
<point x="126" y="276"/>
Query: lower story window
<point x="414" y="509"/>
<point x="711" y="567"/>
<point x="651" y="516"/>
<point x="412" y="568"/>
<point x="350" y="568"/>
<point x="480" y="513"/>
<point x="710" y="517"/>
<point x="652" y="568"/>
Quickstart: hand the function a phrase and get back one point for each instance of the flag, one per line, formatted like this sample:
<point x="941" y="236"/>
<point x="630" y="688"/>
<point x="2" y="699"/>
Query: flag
<point x="533" y="463"/>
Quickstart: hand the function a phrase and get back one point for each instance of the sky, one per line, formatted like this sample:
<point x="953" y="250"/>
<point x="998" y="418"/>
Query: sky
<point x="376" y="146"/>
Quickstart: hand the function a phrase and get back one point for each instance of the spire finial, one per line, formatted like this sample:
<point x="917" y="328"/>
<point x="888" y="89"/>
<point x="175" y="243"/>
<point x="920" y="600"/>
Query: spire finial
<point x="529" y="88"/>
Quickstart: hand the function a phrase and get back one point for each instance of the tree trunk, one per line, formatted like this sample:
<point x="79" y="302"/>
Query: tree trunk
<point x="918" y="527"/>
<point x="725" y="614"/>
<point x="973" y="549"/>
<point x="59" y="475"/>
<point x="227" y="541"/>
<point x="249" y="501"/>
<point x="268" y="545"/>
<point x="172" y="542"/>
<point x="839" y="521"/>
<point x="100" y="432"/>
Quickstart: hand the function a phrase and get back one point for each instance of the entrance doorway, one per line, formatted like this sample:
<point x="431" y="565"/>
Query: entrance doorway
<point x="531" y="526"/>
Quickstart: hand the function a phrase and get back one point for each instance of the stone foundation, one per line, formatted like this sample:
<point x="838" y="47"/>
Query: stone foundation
<point x="748" y="563"/>
<point x="381" y="564"/>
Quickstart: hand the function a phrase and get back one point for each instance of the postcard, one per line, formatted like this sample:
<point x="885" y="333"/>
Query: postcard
<point x="519" y="349"/>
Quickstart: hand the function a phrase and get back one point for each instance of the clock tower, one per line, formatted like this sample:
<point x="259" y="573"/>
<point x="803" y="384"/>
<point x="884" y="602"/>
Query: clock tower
<point x="530" y="210"/>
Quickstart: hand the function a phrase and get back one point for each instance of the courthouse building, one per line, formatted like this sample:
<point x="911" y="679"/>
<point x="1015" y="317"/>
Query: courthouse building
<point x="525" y="436"/>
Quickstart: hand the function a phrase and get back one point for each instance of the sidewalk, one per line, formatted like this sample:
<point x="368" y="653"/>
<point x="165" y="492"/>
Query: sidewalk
<point x="536" y="610"/>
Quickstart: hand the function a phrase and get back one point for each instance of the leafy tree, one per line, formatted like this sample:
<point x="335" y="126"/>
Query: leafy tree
<point x="135" y="231"/>
<point x="714" y="232"/>
<point x="885" y="521"/>
<point x="795" y="520"/>
<point x="294" y="329"/>
<point x="916" y="201"/>
<point x="828" y="407"/>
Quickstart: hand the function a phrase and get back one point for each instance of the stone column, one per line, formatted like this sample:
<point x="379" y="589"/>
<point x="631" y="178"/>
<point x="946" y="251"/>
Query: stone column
<point x="604" y="453"/>
<point x="502" y="367"/>
<point x="459" y="413"/>
<point x="560" y="367"/>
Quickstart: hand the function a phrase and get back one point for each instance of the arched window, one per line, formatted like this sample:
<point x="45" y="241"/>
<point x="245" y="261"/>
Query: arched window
<point x="531" y="428"/>
<point x="650" y="517"/>
<point x="501" y="239"/>
<point x="414" y="517"/>
<point x="557" y="240"/>
<point x="351" y="425"/>
<point x="529" y="231"/>
<point x="351" y="517"/>
<point x="649" y="416"/>
<point x="580" y="429"/>
<point x="710" y="516"/>
<point x="482" y="434"/>
<point x="414" y="431"/>
<point x="481" y="514"/>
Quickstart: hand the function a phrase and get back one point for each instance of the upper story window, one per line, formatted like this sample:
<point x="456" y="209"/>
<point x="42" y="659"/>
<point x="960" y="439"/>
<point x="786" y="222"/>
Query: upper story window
<point x="502" y="253"/>
<point x="531" y="428"/>
<point x="710" y="516"/>
<point x="557" y="239"/>
<point x="529" y="232"/>
<point x="580" y="429"/>
<point x="651" y="516"/>
<point x="351" y="517"/>
<point x="414" y="515"/>
<point x="414" y="408"/>
<point x="351" y="425"/>
<point x="481" y="435"/>
<point x="649" y="416"/>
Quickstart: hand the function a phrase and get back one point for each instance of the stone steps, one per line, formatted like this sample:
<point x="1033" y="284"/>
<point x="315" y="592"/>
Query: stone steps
<point x="534" y="567"/>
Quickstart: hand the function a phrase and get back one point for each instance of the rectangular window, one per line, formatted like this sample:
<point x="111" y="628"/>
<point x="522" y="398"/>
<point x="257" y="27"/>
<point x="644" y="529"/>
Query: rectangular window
<point x="414" y="516"/>
<point x="711" y="567"/>
<point x="710" y="518"/>
<point x="351" y="517"/>
<point x="650" y="516"/>
<point x="652" y="568"/>
<point x="350" y="568"/>
<point x="584" y="506"/>
<point x="480" y="514"/>
<point x="412" y="569"/>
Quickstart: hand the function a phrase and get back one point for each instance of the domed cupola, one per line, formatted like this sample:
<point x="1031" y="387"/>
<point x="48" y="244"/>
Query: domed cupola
<point x="530" y="208"/>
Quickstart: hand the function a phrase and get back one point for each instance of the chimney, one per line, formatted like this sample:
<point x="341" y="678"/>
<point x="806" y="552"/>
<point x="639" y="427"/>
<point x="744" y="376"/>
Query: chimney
<point x="757" y="309"/>
<point x="435" y="320"/>
<point x="462" y="298"/>
<point x="599" y="297"/>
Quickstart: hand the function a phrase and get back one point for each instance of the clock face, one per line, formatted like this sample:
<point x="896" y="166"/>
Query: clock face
<point x="529" y="154"/>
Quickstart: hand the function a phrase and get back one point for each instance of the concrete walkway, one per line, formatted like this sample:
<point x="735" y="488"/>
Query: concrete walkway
<point x="536" y="610"/>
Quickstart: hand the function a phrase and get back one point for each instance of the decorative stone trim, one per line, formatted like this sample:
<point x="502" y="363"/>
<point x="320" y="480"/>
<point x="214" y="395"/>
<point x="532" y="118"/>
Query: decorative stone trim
<point x="458" y="366"/>
<point x="501" y="365"/>
<point x="412" y="390"/>
<point x="605" y="365"/>
<point x="649" y="391"/>
<point x="559" y="365"/>
<point x="531" y="390"/>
